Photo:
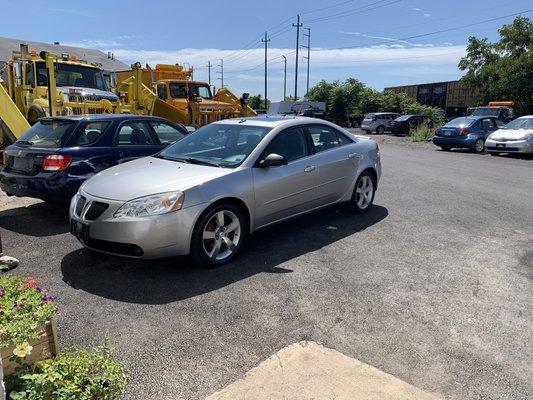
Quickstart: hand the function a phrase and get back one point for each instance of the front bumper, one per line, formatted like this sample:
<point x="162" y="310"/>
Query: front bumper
<point x="56" y="187"/>
<point x="158" y="236"/>
<point x="516" y="146"/>
<point x="462" y="142"/>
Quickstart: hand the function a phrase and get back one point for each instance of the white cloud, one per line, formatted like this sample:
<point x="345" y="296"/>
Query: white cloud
<point x="427" y="15"/>
<point x="416" y="9"/>
<point x="112" y="42"/>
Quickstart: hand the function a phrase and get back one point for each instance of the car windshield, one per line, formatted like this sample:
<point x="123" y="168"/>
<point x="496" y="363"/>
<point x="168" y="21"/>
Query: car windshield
<point x="73" y="75"/>
<point x="459" y="122"/>
<point x="184" y="90"/>
<point x="221" y="145"/>
<point x="48" y="133"/>
<point x="486" y="111"/>
<point x="403" y="118"/>
<point x="520" y="123"/>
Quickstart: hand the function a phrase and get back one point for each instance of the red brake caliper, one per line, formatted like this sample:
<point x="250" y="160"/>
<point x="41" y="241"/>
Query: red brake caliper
<point x="211" y="227"/>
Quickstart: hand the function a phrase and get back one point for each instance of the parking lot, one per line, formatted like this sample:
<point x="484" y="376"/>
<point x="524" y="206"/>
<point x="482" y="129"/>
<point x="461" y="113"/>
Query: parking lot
<point x="434" y="285"/>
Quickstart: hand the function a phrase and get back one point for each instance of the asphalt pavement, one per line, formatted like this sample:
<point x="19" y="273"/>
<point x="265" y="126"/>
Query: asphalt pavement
<point x="434" y="286"/>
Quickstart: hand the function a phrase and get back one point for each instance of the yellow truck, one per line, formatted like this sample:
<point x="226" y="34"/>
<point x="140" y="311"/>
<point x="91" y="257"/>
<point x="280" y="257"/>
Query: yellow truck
<point x="177" y="97"/>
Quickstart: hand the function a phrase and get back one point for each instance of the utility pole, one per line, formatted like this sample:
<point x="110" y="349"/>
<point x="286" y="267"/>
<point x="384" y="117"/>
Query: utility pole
<point x="209" y="72"/>
<point x="285" y="78"/>
<point x="265" y="41"/>
<point x="298" y="26"/>
<point x="221" y="72"/>
<point x="308" y="47"/>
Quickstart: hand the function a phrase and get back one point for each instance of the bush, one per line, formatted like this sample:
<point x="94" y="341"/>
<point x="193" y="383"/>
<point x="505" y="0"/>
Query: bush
<point x="421" y="134"/>
<point x="75" y="374"/>
<point x="24" y="307"/>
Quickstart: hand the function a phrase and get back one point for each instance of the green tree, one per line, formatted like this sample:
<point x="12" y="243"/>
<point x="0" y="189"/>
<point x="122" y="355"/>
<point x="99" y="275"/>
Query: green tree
<point x="256" y="102"/>
<point x="503" y="70"/>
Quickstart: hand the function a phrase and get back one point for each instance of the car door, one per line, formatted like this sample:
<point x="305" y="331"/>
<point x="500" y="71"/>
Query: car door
<point x="288" y="189"/>
<point x="487" y="126"/>
<point x="135" y="139"/>
<point x="336" y="160"/>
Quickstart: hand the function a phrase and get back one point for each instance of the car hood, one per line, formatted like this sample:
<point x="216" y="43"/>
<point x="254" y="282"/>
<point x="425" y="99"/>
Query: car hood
<point x="89" y="92"/>
<point x="511" y="134"/>
<point x="149" y="175"/>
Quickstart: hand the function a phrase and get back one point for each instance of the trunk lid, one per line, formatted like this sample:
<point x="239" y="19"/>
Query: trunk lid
<point x="27" y="160"/>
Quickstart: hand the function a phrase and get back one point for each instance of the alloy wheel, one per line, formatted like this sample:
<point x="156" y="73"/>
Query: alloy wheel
<point x="221" y="235"/>
<point x="479" y="146"/>
<point x="364" y="192"/>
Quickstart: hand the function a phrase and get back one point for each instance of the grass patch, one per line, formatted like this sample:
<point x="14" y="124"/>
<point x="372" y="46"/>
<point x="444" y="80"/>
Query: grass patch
<point x="421" y="134"/>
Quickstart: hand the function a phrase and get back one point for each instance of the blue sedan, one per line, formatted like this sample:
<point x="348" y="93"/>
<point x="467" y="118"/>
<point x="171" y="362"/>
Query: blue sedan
<point x="466" y="133"/>
<point x="56" y="155"/>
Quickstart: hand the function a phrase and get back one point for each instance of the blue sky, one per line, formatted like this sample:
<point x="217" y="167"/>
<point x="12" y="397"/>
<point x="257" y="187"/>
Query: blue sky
<point x="382" y="43"/>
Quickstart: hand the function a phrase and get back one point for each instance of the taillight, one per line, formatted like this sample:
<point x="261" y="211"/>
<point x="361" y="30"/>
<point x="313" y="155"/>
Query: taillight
<point x="4" y="158"/>
<point x="464" y="132"/>
<point x="56" y="162"/>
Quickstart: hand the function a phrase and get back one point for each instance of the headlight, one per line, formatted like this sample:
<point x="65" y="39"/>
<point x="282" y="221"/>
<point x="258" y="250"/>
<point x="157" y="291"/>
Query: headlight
<point x="156" y="204"/>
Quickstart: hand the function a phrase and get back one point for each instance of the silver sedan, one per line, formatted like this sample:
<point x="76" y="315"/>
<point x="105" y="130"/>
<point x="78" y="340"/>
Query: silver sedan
<point x="206" y="193"/>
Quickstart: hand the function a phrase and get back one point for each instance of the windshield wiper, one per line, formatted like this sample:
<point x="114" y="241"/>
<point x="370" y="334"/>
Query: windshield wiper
<point x="192" y="160"/>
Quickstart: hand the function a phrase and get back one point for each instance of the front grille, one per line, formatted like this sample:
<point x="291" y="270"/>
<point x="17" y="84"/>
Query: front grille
<point x="502" y="149"/>
<point x="79" y="205"/>
<point x="125" y="249"/>
<point x="95" y="210"/>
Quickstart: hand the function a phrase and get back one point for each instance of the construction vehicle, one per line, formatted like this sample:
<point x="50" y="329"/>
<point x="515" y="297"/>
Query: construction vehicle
<point x="47" y="84"/>
<point x="168" y="91"/>
<point x="501" y="109"/>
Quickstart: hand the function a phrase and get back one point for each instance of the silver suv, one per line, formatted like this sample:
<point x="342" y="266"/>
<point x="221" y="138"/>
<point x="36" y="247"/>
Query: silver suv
<point x="377" y="122"/>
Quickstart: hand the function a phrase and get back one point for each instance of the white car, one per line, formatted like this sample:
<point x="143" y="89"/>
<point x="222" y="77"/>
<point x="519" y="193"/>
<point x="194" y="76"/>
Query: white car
<point x="515" y="137"/>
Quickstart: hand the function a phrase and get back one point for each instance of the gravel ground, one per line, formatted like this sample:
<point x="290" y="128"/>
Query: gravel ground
<point x="433" y="285"/>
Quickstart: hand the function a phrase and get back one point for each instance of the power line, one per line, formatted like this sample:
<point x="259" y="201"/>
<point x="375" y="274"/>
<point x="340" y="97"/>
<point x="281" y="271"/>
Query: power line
<point x="358" y="10"/>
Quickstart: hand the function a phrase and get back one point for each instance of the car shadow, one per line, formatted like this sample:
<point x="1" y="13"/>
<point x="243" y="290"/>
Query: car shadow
<point x="174" y="279"/>
<point x="41" y="219"/>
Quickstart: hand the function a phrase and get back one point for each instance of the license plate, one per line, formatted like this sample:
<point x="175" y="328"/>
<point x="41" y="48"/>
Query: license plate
<point x="80" y="230"/>
<point x="447" y="133"/>
<point x="21" y="164"/>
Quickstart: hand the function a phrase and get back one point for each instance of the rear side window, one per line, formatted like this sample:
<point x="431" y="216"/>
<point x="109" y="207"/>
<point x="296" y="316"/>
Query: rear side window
<point x="486" y="123"/>
<point x="459" y="122"/>
<point x="91" y="133"/>
<point x="48" y="133"/>
<point x="324" y="138"/>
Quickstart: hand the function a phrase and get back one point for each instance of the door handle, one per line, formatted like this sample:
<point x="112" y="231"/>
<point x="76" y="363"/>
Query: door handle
<point x="310" y="168"/>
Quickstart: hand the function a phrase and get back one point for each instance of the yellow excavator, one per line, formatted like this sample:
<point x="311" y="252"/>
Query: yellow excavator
<point x="168" y="91"/>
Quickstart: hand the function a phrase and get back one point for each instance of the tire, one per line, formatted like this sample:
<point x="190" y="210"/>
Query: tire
<point x="479" y="146"/>
<point x="228" y="242"/>
<point x="363" y="199"/>
<point x="380" y="130"/>
<point x="445" y="148"/>
<point x="34" y="115"/>
<point x="349" y="124"/>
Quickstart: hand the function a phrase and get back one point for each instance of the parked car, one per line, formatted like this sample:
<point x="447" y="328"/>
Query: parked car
<point x="377" y="122"/>
<point x="205" y="193"/>
<point x="515" y="137"/>
<point x="56" y="155"/>
<point x="403" y="125"/>
<point x="466" y="133"/>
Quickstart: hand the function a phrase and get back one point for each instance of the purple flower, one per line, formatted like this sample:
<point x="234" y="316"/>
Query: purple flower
<point x="49" y="298"/>
<point x="39" y="289"/>
<point x="20" y="306"/>
<point x="2" y="292"/>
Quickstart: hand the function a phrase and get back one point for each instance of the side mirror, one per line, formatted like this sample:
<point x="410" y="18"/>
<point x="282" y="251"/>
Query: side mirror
<point x="272" y="160"/>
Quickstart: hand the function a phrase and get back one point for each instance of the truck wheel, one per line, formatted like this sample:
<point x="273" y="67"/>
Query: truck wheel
<point x="349" y="124"/>
<point x="34" y="115"/>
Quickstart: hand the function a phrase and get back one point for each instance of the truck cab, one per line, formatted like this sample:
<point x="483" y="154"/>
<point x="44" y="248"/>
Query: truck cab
<point x="499" y="109"/>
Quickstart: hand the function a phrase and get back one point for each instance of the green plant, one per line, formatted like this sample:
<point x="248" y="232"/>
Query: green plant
<point x="24" y="308"/>
<point x="75" y="374"/>
<point x="421" y="134"/>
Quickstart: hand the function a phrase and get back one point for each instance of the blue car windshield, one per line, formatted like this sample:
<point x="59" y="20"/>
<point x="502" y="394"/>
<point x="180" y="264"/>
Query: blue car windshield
<point x="221" y="145"/>
<point x="459" y="122"/>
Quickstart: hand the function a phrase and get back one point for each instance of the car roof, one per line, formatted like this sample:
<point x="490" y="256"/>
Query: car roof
<point x="269" y="120"/>
<point x="104" y="117"/>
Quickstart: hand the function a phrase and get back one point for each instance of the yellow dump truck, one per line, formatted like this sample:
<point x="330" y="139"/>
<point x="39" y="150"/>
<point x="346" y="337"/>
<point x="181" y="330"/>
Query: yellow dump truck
<point x="177" y="97"/>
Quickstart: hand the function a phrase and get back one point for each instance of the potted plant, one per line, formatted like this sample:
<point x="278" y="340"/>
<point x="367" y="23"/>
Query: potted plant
<point x="27" y="332"/>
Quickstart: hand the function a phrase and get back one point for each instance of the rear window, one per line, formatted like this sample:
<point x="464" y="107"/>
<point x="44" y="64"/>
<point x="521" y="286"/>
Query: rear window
<point x="459" y="122"/>
<point x="403" y="118"/>
<point x="48" y="133"/>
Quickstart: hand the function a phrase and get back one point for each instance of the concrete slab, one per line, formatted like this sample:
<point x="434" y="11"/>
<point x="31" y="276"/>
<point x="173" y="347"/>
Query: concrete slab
<point x="308" y="370"/>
